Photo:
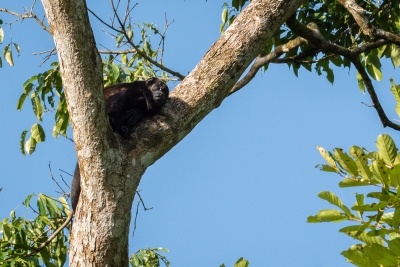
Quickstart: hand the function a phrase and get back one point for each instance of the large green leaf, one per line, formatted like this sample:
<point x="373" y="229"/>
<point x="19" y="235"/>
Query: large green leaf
<point x="395" y="55"/>
<point x="396" y="93"/>
<point x="327" y="216"/>
<point x="334" y="200"/>
<point x="381" y="255"/>
<point x="346" y="162"/>
<point x="361" y="162"/>
<point x="387" y="148"/>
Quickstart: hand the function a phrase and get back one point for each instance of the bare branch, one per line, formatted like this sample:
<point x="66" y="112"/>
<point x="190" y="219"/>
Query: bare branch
<point x="27" y="15"/>
<point x="144" y="55"/>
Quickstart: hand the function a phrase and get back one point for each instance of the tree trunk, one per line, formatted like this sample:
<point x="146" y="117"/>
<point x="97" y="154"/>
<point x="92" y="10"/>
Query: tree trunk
<point x="111" y="168"/>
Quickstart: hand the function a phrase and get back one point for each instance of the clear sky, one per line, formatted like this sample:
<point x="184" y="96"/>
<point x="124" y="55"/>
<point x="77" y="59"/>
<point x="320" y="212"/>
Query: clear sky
<point x="243" y="182"/>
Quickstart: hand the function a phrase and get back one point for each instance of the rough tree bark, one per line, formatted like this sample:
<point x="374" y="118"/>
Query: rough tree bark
<point x="111" y="168"/>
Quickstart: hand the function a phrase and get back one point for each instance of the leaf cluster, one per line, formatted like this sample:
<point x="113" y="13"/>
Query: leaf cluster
<point x="21" y="238"/>
<point x="376" y="223"/>
<point x="149" y="257"/>
<point x="337" y="26"/>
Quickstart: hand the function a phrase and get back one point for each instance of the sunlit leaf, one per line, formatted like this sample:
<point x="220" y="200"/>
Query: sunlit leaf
<point x="22" y="142"/>
<point x="334" y="200"/>
<point x="381" y="255"/>
<point x="396" y="93"/>
<point x="346" y="162"/>
<point x="328" y="158"/>
<point x="371" y="207"/>
<point x="30" y="145"/>
<point x="351" y="182"/>
<point x="17" y="47"/>
<point x="387" y="148"/>
<point x="241" y="263"/>
<point x="9" y="57"/>
<point x="395" y="55"/>
<point x="361" y="162"/>
<point x="327" y="216"/>
<point x="1" y="35"/>
<point x="37" y="132"/>
<point x="361" y="83"/>
<point x="394" y="246"/>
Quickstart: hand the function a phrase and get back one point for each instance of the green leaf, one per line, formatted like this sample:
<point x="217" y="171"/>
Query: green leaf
<point x="394" y="175"/>
<point x="37" y="133"/>
<point x="37" y="107"/>
<point x="328" y="158"/>
<point x="396" y="93"/>
<point x="22" y="142"/>
<point x="394" y="55"/>
<point x="17" y="47"/>
<point x="9" y="57"/>
<point x="361" y="83"/>
<point x="374" y="72"/>
<point x="353" y="230"/>
<point x="346" y="162"/>
<point x="396" y="218"/>
<point x="361" y="162"/>
<point x="327" y="216"/>
<point x="235" y="4"/>
<point x="371" y="207"/>
<point x="5" y="50"/>
<point x="41" y="205"/>
<point x="356" y="256"/>
<point x="352" y="182"/>
<point x="394" y="246"/>
<point x="27" y="200"/>
<point x="381" y="255"/>
<point x="124" y="59"/>
<point x="224" y="17"/>
<point x="23" y="96"/>
<point x="334" y="200"/>
<point x="387" y="148"/>
<point x="241" y="263"/>
<point x="381" y="172"/>
<point x="1" y="35"/>
<point x="119" y="39"/>
<point x="325" y="168"/>
<point x="30" y="145"/>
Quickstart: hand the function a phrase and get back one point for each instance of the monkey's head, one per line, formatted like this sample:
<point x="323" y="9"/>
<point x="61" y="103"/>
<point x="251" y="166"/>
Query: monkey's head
<point x="159" y="90"/>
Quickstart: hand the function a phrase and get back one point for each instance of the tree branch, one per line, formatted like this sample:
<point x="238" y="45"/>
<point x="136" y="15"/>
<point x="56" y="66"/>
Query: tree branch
<point x="352" y="54"/>
<point x="27" y="15"/>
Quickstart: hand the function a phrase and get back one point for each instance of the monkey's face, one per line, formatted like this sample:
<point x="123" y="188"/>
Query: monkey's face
<point x="159" y="90"/>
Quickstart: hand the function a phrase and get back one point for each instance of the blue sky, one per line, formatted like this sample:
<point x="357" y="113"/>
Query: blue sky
<point x="243" y="182"/>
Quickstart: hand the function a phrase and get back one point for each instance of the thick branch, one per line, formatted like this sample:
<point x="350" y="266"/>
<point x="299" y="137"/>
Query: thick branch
<point x="360" y="16"/>
<point x="375" y="101"/>
<point x="211" y="81"/>
<point x="264" y="60"/>
<point x="318" y="40"/>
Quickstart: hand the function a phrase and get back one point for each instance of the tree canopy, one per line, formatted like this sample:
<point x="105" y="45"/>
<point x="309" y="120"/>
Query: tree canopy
<point x="324" y="35"/>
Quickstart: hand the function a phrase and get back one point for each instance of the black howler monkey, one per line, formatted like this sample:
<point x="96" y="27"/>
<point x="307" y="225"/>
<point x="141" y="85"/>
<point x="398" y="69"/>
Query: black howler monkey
<point x="126" y="105"/>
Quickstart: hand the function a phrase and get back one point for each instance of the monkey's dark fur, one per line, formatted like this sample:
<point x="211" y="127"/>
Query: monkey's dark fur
<point x="126" y="105"/>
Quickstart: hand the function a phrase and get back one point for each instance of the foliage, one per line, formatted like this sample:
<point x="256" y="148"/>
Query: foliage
<point x="240" y="263"/>
<point x="377" y="223"/>
<point x="337" y="26"/>
<point x="149" y="258"/>
<point x="20" y="238"/>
